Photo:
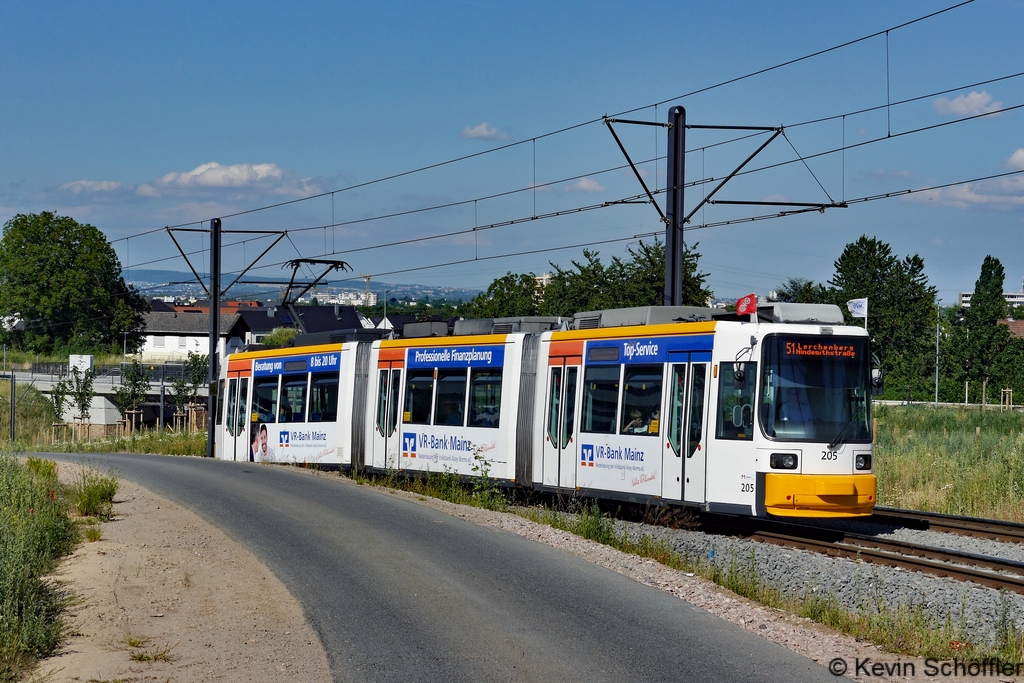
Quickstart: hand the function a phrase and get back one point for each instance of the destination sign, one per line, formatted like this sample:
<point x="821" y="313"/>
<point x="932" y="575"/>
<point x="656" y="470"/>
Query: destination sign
<point x="316" y="362"/>
<point x="456" y="357"/>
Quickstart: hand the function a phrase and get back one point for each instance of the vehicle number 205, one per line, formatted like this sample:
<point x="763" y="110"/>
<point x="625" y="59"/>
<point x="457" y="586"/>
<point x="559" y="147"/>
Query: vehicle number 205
<point x="746" y="488"/>
<point x="829" y="455"/>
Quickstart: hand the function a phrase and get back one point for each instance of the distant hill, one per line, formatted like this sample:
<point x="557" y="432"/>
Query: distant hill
<point x="173" y="282"/>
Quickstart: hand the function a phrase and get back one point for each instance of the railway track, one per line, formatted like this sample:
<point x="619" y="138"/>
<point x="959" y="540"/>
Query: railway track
<point x="965" y="526"/>
<point x="985" y="570"/>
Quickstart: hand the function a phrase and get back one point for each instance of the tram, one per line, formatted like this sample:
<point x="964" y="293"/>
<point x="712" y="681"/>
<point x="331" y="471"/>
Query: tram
<point x="763" y="414"/>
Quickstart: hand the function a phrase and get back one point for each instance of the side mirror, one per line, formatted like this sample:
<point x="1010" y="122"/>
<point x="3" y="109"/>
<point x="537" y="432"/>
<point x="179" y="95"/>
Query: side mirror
<point x="740" y="373"/>
<point x="877" y="382"/>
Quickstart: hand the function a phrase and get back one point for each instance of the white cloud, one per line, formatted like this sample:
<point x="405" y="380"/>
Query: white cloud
<point x="971" y="104"/>
<point x="585" y="185"/>
<point x="80" y="186"/>
<point x="482" y="132"/>
<point x="1016" y="160"/>
<point x="233" y="182"/>
<point x="213" y="174"/>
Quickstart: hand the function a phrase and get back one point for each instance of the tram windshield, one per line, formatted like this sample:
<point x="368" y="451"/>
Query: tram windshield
<point x="815" y="389"/>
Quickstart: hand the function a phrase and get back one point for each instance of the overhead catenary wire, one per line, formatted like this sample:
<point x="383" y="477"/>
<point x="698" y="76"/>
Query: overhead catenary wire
<point x="655" y="233"/>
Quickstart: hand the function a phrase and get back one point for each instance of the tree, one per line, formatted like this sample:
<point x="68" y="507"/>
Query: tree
<point x="81" y="391"/>
<point x="63" y="279"/>
<point x="279" y="336"/>
<point x="901" y="307"/>
<point x="132" y="392"/>
<point x="185" y="389"/>
<point x="59" y="396"/>
<point x="798" y="290"/>
<point x="987" y="339"/>
<point x="514" y="294"/>
<point x="587" y="286"/>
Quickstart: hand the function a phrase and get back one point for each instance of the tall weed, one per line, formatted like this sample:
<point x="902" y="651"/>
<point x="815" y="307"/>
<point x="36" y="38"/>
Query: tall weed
<point x="92" y="493"/>
<point x="34" y="532"/>
<point x="934" y="459"/>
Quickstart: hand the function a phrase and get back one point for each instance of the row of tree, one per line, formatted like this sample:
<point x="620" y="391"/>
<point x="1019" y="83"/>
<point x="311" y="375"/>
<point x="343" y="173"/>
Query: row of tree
<point x="910" y="332"/>
<point x="905" y="321"/>
<point x="590" y="285"/>
<point x="76" y="388"/>
<point x="62" y="281"/>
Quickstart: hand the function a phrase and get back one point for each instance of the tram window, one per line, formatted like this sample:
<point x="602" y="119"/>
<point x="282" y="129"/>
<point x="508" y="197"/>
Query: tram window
<point x="736" y="400"/>
<point x="242" y="418"/>
<point x="600" y="399"/>
<point x="382" y="400"/>
<point x="554" y="400"/>
<point x="323" y="397"/>
<point x="569" y="407"/>
<point x="450" y="404"/>
<point x="484" y="398"/>
<point x="675" y="407"/>
<point x="419" y="394"/>
<point x="396" y="385"/>
<point x="641" y="400"/>
<point x="696" y="428"/>
<point x="293" y="398"/>
<point x="264" y="399"/>
<point x="220" y="403"/>
<point x="232" y="392"/>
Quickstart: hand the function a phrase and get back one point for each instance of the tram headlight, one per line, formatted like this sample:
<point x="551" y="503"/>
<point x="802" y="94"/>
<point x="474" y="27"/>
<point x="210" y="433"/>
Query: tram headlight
<point x="862" y="461"/>
<point x="783" y="461"/>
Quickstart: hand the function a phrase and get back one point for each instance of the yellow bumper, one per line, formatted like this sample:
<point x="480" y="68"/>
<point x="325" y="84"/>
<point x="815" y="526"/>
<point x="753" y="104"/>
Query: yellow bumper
<point x="825" y="495"/>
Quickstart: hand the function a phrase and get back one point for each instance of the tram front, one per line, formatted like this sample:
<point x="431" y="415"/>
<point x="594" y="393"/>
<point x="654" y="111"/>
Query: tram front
<point x="815" y="412"/>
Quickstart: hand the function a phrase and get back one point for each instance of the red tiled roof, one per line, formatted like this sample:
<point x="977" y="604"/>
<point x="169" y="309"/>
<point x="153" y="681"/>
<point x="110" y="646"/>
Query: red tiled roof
<point x="1016" y="327"/>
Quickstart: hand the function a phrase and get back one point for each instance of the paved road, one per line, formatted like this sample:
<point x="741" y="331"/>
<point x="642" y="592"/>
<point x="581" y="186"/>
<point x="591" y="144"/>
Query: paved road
<point x="400" y="592"/>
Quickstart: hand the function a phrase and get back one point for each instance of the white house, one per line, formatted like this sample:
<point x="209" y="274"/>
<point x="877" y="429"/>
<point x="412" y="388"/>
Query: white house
<point x="170" y="335"/>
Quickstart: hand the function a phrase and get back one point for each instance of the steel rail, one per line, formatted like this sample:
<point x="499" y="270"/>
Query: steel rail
<point x="965" y="526"/>
<point x="941" y="562"/>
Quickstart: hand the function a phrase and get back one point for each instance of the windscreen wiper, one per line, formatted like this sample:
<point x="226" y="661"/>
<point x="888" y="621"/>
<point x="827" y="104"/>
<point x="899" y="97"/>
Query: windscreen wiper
<point x="842" y="432"/>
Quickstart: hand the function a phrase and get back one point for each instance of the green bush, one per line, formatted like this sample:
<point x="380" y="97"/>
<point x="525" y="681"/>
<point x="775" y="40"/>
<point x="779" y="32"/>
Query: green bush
<point x="34" y="532"/>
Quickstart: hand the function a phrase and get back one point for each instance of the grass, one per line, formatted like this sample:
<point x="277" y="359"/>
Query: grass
<point x="934" y="459"/>
<point x="92" y="492"/>
<point x="93" y="534"/>
<point x="483" y="492"/>
<point x="167" y="442"/>
<point x="157" y="655"/>
<point x="35" y="531"/>
<point x="34" y="418"/>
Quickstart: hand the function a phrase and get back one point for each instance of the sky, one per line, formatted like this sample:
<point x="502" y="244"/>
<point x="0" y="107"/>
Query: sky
<point x="137" y="116"/>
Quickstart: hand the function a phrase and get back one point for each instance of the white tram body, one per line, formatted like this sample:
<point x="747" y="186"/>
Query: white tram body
<point x="683" y="406"/>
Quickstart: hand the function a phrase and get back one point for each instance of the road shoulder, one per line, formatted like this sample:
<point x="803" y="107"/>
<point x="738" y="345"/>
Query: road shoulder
<point x="166" y="596"/>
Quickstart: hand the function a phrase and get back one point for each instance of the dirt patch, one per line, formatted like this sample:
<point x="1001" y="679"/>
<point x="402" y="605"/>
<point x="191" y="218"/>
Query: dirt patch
<point x="164" y="596"/>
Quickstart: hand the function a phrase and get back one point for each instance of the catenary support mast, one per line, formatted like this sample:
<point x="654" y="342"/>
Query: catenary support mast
<point x="676" y="172"/>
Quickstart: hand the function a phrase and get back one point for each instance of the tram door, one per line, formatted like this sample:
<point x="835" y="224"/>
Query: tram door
<point x="685" y="456"/>
<point x="386" y="439"/>
<point x="560" y="442"/>
<point x="237" y="441"/>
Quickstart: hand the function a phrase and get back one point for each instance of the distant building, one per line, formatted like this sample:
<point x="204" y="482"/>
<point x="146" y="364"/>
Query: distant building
<point x="1012" y="298"/>
<point x="346" y="298"/>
